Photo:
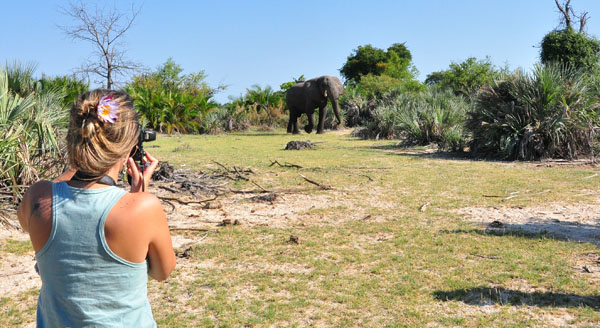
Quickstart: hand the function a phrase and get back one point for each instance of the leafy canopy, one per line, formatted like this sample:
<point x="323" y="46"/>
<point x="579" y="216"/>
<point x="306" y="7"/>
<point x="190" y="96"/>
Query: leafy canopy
<point x="370" y="60"/>
<point x="464" y="78"/>
<point x="170" y="101"/>
<point x="285" y="86"/>
<point x="568" y="46"/>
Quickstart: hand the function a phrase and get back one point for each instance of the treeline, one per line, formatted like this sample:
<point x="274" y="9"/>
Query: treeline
<point x="552" y="110"/>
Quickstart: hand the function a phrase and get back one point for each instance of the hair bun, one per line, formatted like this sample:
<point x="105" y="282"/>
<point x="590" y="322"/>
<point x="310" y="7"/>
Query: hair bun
<point x="88" y="128"/>
<point x="88" y="114"/>
<point x="88" y="108"/>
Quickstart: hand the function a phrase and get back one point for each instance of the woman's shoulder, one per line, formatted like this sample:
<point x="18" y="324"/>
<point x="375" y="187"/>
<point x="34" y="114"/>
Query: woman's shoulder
<point x="40" y="187"/>
<point x="141" y="203"/>
<point x="36" y="206"/>
<point x="37" y="193"/>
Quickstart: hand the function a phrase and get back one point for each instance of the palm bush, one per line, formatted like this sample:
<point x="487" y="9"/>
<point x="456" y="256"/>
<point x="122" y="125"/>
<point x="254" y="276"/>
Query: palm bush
<point x="71" y="87"/>
<point x="355" y="108"/>
<point x="432" y="116"/>
<point x="171" y="102"/>
<point x="550" y="113"/>
<point x="259" y="106"/>
<point x="30" y="117"/>
<point x="225" y="118"/>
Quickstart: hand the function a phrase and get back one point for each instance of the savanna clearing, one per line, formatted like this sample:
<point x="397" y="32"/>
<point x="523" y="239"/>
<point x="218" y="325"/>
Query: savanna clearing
<point x="404" y="237"/>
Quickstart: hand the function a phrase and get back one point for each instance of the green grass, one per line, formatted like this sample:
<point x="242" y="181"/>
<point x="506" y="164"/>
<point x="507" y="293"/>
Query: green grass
<point x="16" y="247"/>
<point x="401" y="268"/>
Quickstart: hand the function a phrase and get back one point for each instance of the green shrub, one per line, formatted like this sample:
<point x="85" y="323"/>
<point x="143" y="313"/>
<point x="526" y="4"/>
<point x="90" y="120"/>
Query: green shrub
<point x="548" y="113"/>
<point x="569" y="47"/>
<point x="354" y="107"/>
<point x="29" y="120"/>
<point x="465" y="78"/>
<point x="262" y="107"/>
<point x="169" y="101"/>
<point x="69" y="86"/>
<point x="432" y="116"/>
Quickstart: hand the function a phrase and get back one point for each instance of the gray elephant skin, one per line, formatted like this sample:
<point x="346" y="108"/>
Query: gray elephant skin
<point x="305" y="97"/>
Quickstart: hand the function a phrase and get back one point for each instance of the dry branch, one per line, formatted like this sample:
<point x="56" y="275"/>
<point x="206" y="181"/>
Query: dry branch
<point x="286" y="164"/>
<point x="322" y="186"/>
<point x="259" y="186"/>
<point x="184" y="202"/>
<point x="168" y="189"/>
<point x="368" y="177"/>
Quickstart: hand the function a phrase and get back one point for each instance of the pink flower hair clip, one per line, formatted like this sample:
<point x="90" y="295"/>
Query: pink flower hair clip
<point x="107" y="109"/>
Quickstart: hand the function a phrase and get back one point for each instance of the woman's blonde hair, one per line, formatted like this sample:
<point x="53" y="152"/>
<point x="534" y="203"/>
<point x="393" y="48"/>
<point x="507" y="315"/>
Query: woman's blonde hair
<point x="94" y="145"/>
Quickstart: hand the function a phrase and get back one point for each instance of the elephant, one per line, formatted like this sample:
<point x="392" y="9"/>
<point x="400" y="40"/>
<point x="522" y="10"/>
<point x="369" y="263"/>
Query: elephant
<point x="304" y="97"/>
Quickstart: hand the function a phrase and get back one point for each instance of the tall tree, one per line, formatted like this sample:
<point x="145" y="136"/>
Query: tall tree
<point x="568" y="14"/>
<point x="465" y="78"/>
<point x="568" y="46"/>
<point x="370" y="60"/>
<point x="104" y="28"/>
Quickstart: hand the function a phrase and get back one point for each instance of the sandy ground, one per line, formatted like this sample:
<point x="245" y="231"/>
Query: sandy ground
<point x="579" y="223"/>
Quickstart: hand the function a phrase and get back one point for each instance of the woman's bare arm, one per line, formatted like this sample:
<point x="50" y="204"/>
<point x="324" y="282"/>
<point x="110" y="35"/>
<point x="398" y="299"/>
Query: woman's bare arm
<point x="161" y="257"/>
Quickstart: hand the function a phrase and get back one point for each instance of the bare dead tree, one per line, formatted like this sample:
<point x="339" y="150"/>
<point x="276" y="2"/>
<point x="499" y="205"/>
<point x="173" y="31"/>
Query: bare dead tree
<point x="104" y="29"/>
<point x="568" y="14"/>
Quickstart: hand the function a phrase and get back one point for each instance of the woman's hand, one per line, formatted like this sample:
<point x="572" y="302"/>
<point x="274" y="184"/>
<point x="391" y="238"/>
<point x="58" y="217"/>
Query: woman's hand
<point x="150" y="164"/>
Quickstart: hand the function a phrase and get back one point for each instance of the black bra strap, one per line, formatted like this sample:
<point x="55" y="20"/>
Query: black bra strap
<point x="79" y="176"/>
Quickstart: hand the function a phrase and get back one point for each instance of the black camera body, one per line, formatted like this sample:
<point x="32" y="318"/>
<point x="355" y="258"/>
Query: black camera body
<point x="138" y="152"/>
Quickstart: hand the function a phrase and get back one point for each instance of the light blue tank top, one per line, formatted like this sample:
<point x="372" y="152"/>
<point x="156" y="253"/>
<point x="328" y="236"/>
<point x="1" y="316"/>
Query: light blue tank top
<point x="84" y="284"/>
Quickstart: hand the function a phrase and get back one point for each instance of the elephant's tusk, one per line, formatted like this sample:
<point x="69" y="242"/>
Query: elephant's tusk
<point x="325" y="94"/>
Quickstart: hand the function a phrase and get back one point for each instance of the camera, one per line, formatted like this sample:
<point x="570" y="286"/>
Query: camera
<point x="138" y="152"/>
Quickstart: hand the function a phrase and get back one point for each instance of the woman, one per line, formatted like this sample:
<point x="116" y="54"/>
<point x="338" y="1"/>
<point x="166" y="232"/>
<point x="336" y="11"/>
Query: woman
<point x="95" y="243"/>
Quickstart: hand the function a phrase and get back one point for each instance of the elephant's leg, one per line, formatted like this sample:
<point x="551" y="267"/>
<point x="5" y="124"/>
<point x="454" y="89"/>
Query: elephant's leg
<point x="311" y="123"/>
<point x="322" y="115"/>
<point x="293" y="119"/>
<point x="295" y="126"/>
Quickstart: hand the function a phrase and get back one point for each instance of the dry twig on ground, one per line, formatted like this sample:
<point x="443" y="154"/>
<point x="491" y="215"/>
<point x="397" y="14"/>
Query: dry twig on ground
<point x="286" y="164"/>
<point x="322" y="186"/>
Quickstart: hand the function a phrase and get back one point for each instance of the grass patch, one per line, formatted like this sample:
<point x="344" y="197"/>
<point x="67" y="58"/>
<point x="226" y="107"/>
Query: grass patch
<point x="16" y="247"/>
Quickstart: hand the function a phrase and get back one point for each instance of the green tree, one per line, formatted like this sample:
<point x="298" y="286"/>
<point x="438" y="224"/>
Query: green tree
<point x="375" y="72"/>
<point x="285" y="86"/>
<point x="170" y="101"/>
<point x="363" y="61"/>
<point x="567" y="46"/>
<point x="401" y="50"/>
<point x="464" y="78"/>
<point x="397" y="74"/>
<point x="370" y="60"/>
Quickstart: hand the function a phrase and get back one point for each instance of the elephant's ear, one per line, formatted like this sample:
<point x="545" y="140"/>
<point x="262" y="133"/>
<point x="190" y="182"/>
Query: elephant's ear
<point x="323" y="87"/>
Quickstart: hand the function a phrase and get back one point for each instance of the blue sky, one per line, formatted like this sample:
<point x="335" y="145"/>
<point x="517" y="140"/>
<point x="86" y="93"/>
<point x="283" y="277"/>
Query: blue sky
<point x="242" y="43"/>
